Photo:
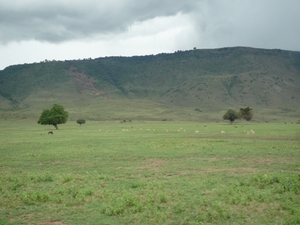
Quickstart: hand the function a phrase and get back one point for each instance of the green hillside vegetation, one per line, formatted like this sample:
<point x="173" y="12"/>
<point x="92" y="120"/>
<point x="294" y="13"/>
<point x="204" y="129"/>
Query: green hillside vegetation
<point x="169" y="86"/>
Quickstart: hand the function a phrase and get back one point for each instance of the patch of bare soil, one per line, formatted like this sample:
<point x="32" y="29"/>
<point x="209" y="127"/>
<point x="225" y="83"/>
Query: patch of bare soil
<point x="53" y="223"/>
<point x="210" y="159"/>
<point x="264" y="161"/>
<point x="268" y="161"/>
<point x="85" y="83"/>
<point x="238" y="170"/>
<point x="153" y="164"/>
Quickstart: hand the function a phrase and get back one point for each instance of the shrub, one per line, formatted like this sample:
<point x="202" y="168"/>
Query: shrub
<point x="81" y="121"/>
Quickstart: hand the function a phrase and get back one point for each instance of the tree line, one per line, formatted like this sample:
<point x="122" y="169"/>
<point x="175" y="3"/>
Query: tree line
<point x="57" y="115"/>
<point x="244" y="113"/>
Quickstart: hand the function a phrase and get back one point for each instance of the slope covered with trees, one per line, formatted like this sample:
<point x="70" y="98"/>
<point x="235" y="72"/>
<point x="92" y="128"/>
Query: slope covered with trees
<point x="210" y="80"/>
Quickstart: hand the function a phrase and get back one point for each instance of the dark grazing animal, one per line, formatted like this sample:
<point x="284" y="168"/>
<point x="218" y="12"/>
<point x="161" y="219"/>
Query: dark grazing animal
<point x="50" y="132"/>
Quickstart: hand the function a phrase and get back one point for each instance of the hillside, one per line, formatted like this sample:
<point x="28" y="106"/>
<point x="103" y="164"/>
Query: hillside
<point x="156" y="86"/>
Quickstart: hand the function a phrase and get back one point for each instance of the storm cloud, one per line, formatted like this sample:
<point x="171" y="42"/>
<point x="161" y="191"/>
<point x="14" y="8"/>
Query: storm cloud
<point x="58" y="21"/>
<point x="40" y="29"/>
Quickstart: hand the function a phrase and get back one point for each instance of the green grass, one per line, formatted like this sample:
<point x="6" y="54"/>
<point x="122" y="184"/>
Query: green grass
<point x="149" y="173"/>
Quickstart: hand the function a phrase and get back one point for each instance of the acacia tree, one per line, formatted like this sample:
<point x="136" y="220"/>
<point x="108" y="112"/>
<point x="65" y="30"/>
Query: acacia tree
<point x="231" y="115"/>
<point x="54" y="116"/>
<point x="246" y="113"/>
<point x="80" y="121"/>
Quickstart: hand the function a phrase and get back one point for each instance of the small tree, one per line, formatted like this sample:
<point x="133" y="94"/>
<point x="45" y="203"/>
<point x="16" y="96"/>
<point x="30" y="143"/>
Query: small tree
<point x="246" y="113"/>
<point x="80" y="121"/>
<point x="231" y="115"/>
<point x="54" y="116"/>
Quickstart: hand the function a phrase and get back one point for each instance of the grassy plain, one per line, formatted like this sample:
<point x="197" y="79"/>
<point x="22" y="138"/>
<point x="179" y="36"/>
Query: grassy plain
<point x="167" y="172"/>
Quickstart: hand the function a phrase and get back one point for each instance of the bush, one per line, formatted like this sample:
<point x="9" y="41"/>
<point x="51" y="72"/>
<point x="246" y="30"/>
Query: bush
<point x="81" y="121"/>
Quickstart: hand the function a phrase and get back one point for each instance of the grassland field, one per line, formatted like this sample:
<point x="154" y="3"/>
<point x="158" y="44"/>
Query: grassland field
<point x="139" y="172"/>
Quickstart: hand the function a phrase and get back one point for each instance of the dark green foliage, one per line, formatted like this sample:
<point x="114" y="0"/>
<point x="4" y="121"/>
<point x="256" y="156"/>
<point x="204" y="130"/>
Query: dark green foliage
<point x="54" y="116"/>
<point x="231" y="115"/>
<point x="246" y="113"/>
<point x="80" y="121"/>
<point x="17" y="82"/>
<point x="215" y="78"/>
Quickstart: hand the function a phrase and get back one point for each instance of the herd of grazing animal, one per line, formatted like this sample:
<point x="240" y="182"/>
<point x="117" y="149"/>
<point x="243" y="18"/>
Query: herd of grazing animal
<point x="251" y="131"/>
<point x="181" y="130"/>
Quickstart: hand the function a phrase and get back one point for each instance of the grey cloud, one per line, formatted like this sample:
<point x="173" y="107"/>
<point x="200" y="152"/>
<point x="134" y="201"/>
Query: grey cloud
<point x="255" y="23"/>
<point x="62" y="21"/>
<point x="214" y="23"/>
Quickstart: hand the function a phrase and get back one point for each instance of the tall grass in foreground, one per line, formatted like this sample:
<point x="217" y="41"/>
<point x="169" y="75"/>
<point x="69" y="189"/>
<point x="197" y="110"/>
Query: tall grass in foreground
<point x="150" y="173"/>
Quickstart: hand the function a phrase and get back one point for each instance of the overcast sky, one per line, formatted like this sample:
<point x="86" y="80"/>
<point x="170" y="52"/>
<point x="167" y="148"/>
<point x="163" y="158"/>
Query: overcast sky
<point x="35" y="30"/>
